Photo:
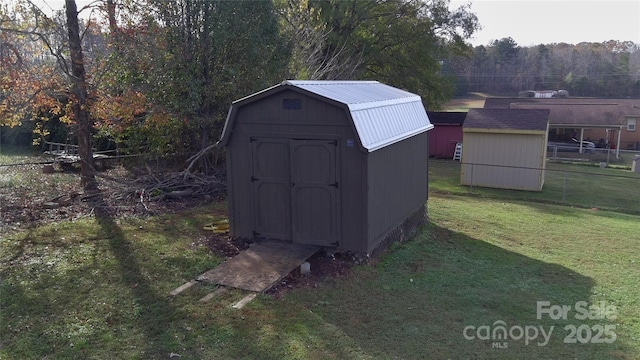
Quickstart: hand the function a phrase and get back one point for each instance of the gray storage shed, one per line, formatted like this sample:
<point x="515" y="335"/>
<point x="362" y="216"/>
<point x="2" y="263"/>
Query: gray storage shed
<point x="338" y="164"/>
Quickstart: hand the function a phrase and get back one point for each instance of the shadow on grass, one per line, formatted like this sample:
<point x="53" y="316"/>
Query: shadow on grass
<point x="414" y="304"/>
<point x="154" y="312"/>
<point x="417" y="302"/>
<point x="71" y="304"/>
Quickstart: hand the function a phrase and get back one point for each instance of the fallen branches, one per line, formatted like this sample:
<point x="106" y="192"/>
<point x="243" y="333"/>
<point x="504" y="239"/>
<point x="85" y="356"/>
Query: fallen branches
<point x="32" y="197"/>
<point x="195" y="158"/>
<point x="176" y="186"/>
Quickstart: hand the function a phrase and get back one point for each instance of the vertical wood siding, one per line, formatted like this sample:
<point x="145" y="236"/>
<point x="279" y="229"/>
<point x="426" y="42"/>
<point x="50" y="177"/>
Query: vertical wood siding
<point x="443" y="139"/>
<point x="503" y="160"/>
<point x="397" y="185"/>
<point x="315" y="120"/>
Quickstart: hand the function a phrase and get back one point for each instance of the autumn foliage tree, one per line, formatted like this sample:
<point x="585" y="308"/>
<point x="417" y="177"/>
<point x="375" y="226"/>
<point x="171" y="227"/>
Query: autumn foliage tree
<point x="37" y="89"/>
<point x="174" y="68"/>
<point x="32" y="85"/>
<point x="159" y="75"/>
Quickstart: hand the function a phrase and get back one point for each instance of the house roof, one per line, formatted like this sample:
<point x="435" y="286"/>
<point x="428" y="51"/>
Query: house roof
<point x="381" y="115"/>
<point x="447" y="117"/>
<point x="575" y="112"/>
<point x="507" y="119"/>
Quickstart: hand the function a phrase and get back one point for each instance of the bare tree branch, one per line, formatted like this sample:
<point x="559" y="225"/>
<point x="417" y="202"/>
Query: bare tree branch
<point x="36" y="35"/>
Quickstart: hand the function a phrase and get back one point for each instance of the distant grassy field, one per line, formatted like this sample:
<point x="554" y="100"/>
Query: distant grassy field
<point x="98" y="289"/>
<point x="474" y="100"/>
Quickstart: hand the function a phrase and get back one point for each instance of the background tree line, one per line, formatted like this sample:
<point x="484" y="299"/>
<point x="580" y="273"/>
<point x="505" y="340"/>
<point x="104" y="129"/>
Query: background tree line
<point x="609" y="69"/>
<point x="162" y="74"/>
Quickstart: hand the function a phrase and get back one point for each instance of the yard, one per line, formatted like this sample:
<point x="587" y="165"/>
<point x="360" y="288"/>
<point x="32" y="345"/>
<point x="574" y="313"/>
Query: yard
<point x="90" y="289"/>
<point x="566" y="184"/>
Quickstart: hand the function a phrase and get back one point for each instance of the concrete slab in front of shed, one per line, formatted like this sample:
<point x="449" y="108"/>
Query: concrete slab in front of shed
<point x="261" y="266"/>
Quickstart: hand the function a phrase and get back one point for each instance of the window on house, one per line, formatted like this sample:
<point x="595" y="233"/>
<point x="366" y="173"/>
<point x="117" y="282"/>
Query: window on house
<point x="631" y="124"/>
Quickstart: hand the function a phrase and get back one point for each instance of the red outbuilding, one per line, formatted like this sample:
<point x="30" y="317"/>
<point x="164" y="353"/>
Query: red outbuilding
<point x="446" y="133"/>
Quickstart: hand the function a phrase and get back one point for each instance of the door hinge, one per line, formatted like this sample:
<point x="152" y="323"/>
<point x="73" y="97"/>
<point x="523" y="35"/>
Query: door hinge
<point x="335" y="185"/>
<point x="256" y="234"/>
<point x="252" y="139"/>
<point x="336" y="244"/>
<point x="254" y="178"/>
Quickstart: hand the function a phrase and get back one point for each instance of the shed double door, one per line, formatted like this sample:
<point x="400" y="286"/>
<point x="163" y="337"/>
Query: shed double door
<point x="296" y="189"/>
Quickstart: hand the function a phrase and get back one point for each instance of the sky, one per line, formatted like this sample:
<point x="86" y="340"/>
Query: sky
<point x="534" y="22"/>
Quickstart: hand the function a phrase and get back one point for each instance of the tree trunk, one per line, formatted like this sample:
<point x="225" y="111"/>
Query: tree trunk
<point x="79" y="91"/>
<point x="111" y="15"/>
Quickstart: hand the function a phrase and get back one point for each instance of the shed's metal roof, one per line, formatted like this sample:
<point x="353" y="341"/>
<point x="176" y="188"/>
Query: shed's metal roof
<point x="356" y="94"/>
<point x="382" y="115"/>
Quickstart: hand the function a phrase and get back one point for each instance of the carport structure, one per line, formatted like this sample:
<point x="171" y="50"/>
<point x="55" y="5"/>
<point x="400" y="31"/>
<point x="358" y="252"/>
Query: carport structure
<point x="591" y="119"/>
<point x="581" y="116"/>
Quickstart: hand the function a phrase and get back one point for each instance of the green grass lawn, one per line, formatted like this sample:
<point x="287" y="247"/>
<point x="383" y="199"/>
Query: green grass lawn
<point x="30" y="176"/>
<point x="93" y="289"/>
<point x="576" y="185"/>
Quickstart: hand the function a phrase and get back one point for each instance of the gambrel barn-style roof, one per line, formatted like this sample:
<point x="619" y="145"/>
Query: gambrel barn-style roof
<point x="380" y="114"/>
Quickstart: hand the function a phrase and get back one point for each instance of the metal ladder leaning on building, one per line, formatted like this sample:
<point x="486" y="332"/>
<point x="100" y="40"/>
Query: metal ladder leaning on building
<point x="457" y="154"/>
